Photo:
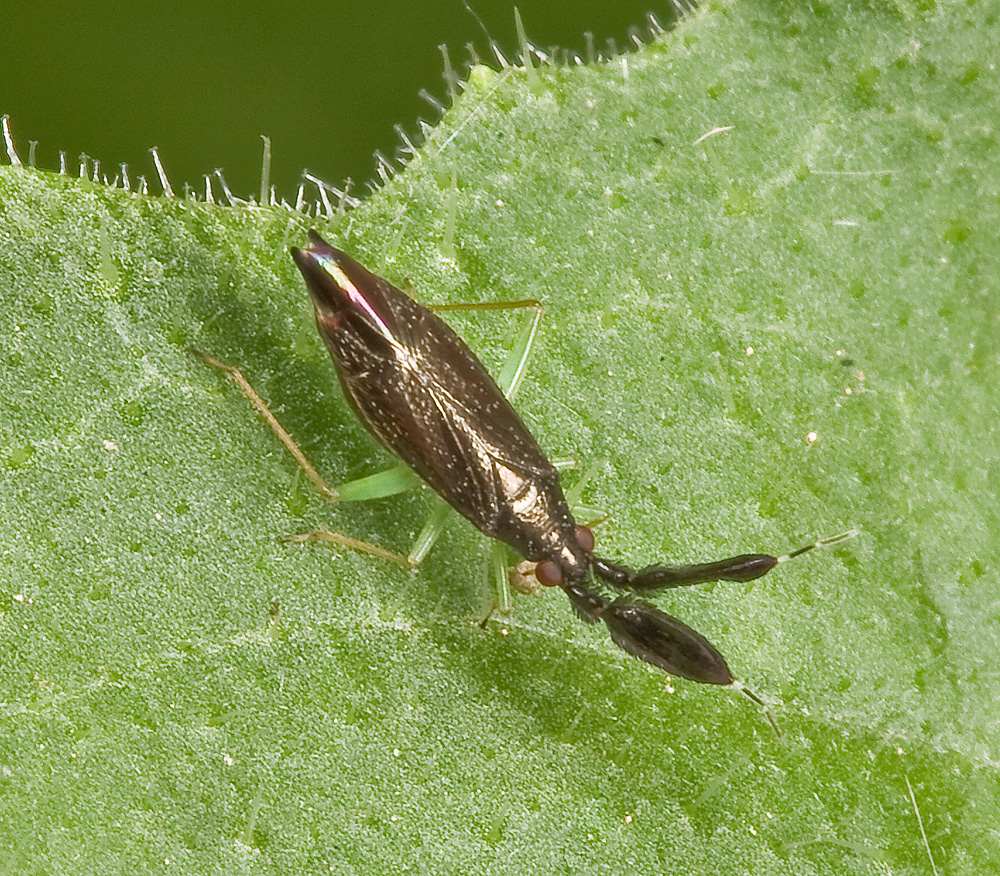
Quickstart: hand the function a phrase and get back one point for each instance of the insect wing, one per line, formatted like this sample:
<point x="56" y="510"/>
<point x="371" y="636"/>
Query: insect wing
<point x="437" y="408"/>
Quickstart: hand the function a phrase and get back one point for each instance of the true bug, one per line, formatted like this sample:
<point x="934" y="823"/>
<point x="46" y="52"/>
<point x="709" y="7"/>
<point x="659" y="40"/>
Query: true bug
<point x="421" y="392"/>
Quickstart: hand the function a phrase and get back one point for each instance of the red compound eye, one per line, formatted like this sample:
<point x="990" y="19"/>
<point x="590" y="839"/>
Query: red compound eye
<point x="549" y="573"/>
<point x="585" y="538"/>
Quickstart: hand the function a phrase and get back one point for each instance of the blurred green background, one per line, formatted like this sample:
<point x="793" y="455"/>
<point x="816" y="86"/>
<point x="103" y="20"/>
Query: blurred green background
<point x="202" y="81"/>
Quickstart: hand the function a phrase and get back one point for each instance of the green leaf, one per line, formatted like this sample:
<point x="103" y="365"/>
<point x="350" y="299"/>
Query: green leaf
<point x="767" y="244"/>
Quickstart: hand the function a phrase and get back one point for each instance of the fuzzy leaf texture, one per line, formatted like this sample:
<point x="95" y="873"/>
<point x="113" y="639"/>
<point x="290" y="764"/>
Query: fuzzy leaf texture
<point x="757" y="337"/>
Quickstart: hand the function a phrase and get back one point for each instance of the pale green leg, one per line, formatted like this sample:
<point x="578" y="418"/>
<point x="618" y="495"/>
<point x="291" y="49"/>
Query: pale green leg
<point x="390" y="482"/>
<point x="498" y="574"/>
<point x="433" y="527"/>
<point x="512" y="374"/>
<point x="584" y="513"/>
<point x="574" y="493"/>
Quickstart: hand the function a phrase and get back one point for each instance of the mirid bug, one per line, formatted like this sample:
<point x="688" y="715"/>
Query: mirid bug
<point x="422" y="393"/>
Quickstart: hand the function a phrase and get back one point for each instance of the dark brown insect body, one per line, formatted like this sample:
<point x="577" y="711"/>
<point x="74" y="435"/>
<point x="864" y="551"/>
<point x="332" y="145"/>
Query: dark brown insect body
<point x="420" y="390"/>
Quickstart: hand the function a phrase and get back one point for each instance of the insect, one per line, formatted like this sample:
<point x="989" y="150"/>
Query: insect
<point x="422" y="393"/>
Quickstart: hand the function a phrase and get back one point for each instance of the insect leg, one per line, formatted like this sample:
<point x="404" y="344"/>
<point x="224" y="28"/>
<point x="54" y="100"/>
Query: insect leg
<point x="390" y="482"/>
<point x="354" y="544"/>
<point x="261" y="407"/>
<point x="499" y="575"/>
<point x="327" y="491"/>
<point x="431" y="532"/>
<point x="574" y="493"/>
<point x="496" y="566"/>
<point x="393" y="480"/>
<point x="589" y="516"/>
<point x="745" y="567"/>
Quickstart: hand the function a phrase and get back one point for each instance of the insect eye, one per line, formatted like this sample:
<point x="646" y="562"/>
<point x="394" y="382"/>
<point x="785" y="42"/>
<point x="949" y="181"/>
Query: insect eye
<point x="585" y="538"/>
<point x="549" y="573"/>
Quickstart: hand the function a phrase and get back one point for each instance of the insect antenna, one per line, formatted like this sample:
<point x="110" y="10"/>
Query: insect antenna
<point x="745" y="567"/>
<point x="648" y="634"/>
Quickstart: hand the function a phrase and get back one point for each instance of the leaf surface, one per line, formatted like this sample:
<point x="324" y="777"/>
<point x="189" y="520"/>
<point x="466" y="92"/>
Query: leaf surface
<point x="767" y="245"/>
